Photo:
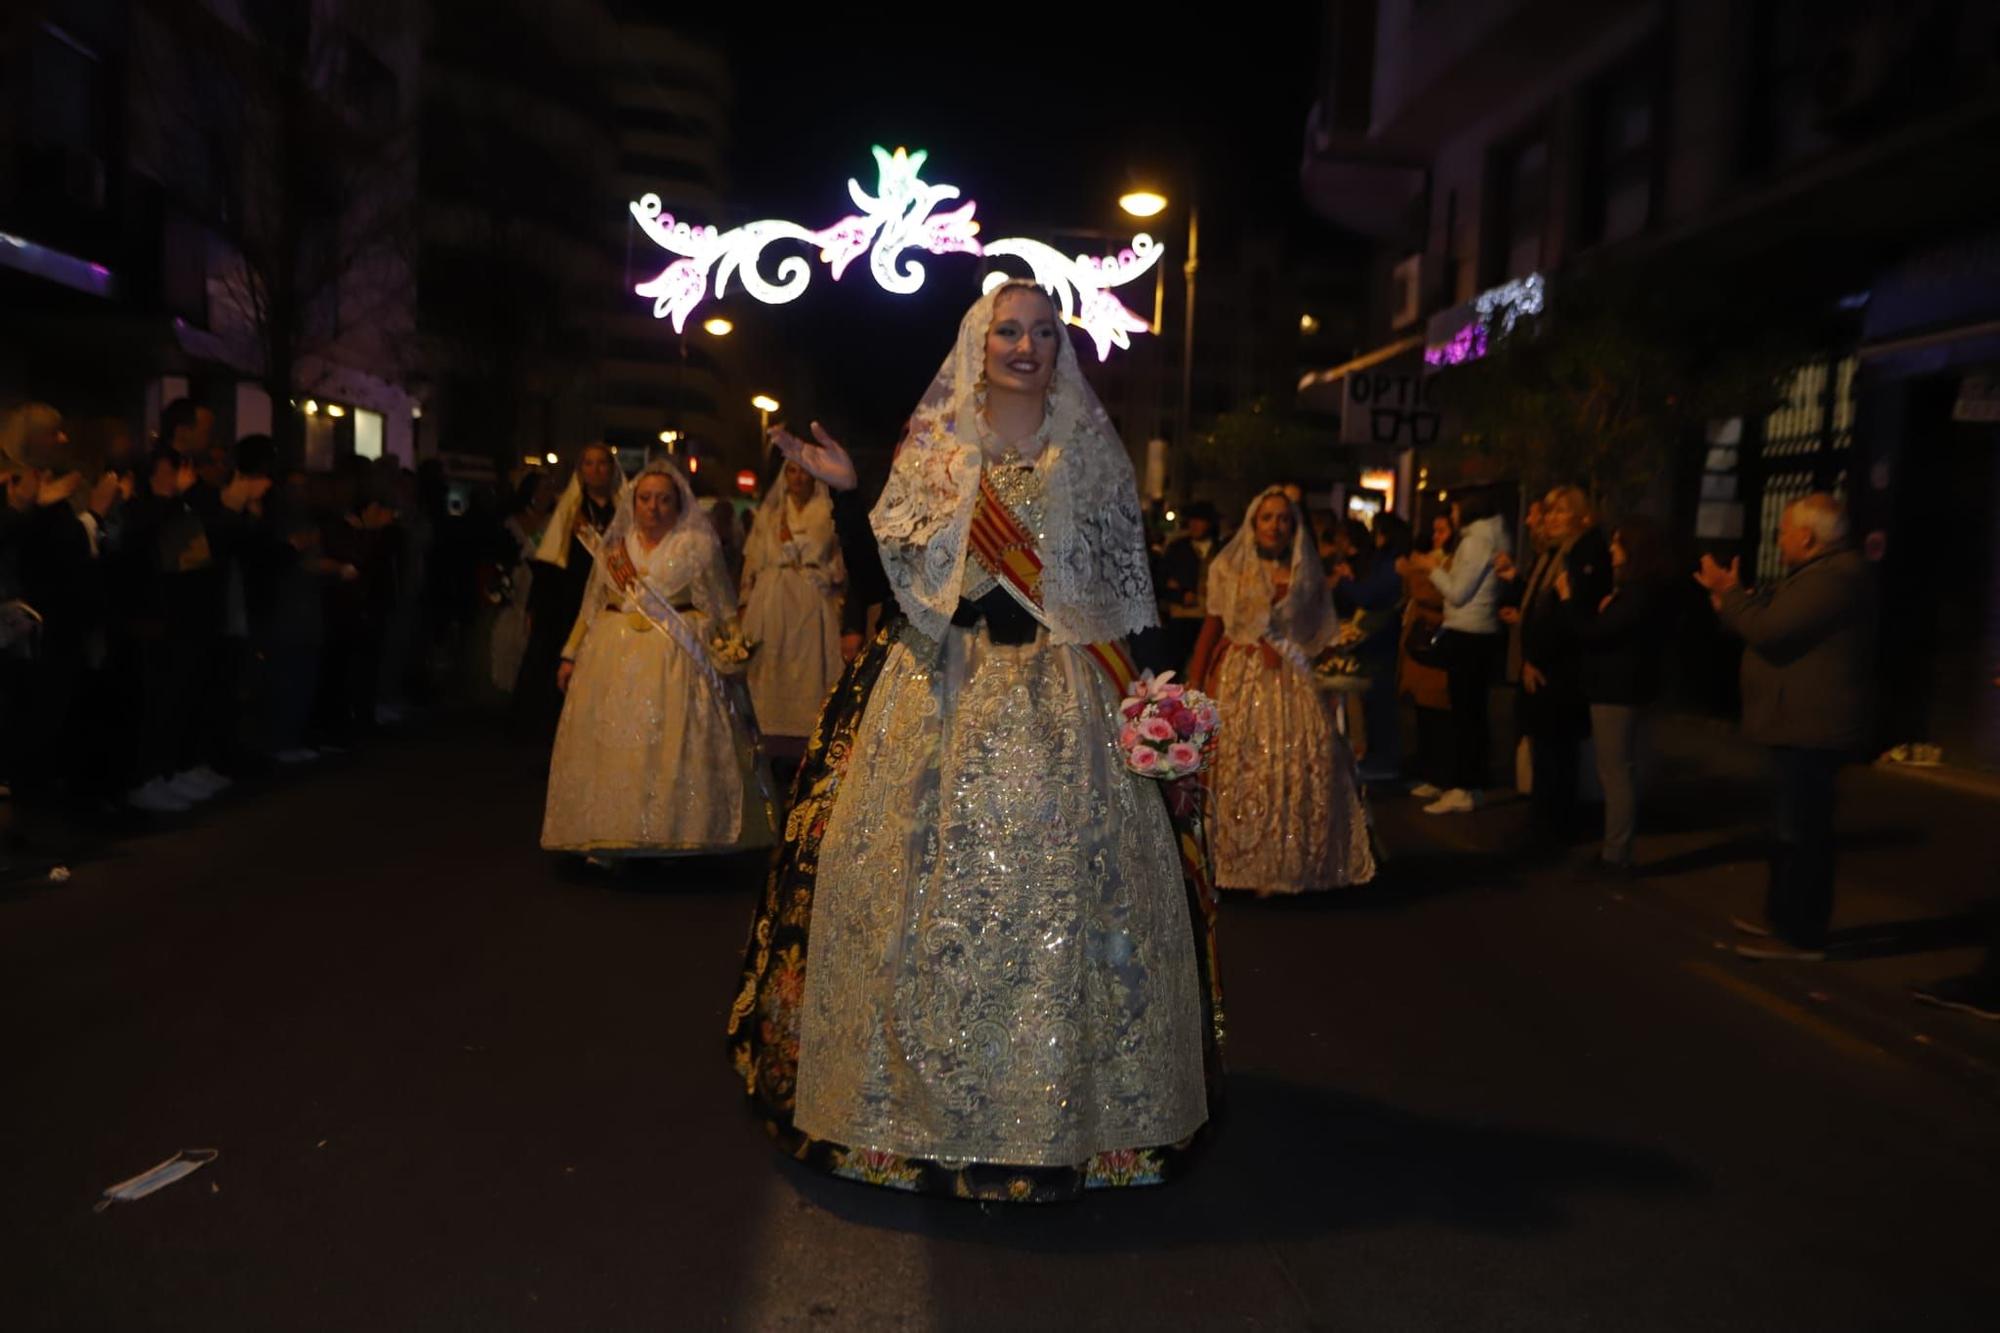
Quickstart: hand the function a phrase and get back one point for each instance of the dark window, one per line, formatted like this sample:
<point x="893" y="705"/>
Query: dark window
<point x="368" y="85"/>
<point x="64" y="106"/>
<point x="1520" y="213"/>
<point x="1786" y="39"/>
<point x="655" y="120"/>
<point x="1621" y="155"/>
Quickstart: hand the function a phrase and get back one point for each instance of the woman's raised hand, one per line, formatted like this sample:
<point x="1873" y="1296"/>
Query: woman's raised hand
<point x="827" y="460"/>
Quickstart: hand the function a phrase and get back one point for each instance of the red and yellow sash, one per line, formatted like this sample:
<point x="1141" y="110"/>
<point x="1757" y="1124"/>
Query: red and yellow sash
<point x="1007" y="549"/>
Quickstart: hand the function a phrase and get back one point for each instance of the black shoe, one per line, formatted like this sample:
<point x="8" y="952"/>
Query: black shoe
<point x="1776" y="950"/>
<point x="1964" y="994"/>
<point x="1595" y="869"/>
<point x="1745" y="926"/>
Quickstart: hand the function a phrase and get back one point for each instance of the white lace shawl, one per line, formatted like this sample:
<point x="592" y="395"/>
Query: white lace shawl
<point x="1240" y="589"/>
<point x="1096" y="581"/>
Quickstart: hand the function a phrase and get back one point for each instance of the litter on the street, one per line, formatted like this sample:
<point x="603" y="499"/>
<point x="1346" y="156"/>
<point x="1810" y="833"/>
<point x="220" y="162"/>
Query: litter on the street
<point x="181" y="1164"/>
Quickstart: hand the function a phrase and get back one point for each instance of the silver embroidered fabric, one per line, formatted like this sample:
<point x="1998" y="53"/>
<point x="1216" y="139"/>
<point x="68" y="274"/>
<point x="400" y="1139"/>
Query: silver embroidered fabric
<point x="1288" y="812"/>
<point x="1002" y="963"/>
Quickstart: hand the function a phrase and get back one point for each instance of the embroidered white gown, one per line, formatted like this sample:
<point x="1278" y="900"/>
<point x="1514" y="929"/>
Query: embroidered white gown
<point x="651" y="756"/>
<point x="791" y="613"/>
<point x="1003" y="965"/>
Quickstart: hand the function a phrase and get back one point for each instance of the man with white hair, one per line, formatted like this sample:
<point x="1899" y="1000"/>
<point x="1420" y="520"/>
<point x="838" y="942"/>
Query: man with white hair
<point x="1807" y="647"/>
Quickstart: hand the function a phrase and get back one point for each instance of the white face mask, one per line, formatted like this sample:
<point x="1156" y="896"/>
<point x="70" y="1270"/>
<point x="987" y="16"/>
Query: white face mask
<point x="181" y="1164"/>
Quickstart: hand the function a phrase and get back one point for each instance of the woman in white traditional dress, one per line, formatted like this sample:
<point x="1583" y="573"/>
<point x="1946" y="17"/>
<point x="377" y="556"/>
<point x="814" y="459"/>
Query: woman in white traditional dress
<point x="654" y="755"/>
<point x="1288" y="811"/>
<point x="790" y="611"/>
<point x="1008" y="992"/>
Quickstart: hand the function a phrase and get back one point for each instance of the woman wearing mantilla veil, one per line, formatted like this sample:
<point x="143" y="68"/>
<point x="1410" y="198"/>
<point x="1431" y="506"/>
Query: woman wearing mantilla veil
<point x="983" y="964"/>
<point x="655" y="754"/>
<point x="791" y="571"/>
<point x="1288" y="815"/>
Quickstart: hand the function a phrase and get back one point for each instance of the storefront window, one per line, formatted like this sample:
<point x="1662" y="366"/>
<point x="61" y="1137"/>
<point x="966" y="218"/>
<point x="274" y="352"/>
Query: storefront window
<point x="1807" y="441"/>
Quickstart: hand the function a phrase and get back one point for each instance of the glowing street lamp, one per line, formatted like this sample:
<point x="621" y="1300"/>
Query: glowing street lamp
<point x="718" y="327"/>
<point x="764" y="402"/>
<point x="335" y="410"/>
<point x="667" y="437"/>
<point x="551" y="458"/>
<point x="1143" y="203"/>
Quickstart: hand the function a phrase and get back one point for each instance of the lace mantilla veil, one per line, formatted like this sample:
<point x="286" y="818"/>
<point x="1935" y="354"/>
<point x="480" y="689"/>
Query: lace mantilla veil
<point x="814" y="516"/>
<point x="688" y="558"/>
<point x="1097" y="584"/>
<point x="1240" y="589"/>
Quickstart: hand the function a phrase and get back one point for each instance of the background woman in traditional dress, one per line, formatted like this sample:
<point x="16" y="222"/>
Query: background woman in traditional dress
<point x="562" y="569"/>
<point x="790" y="573"/>
<point x="1008" y="991"/>
<point x="652" y="757"/>
<point x="1288" y="812"/>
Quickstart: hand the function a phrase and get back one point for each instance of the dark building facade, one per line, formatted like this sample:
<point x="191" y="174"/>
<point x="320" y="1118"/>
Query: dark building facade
<point x="1833" y="162"/>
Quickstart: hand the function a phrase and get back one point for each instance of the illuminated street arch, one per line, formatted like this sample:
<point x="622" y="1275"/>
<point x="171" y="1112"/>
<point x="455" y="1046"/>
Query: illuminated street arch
<point x="900" y="216"/>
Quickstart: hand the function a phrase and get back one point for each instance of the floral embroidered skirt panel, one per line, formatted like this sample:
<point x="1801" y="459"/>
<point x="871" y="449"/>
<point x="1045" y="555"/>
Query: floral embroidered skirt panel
<point x="978" y="969"/>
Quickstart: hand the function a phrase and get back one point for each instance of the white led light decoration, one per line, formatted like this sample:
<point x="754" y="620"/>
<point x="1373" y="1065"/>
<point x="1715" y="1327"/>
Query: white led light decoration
<point x="1080" y="285"/>
<point x="899" y="217"/>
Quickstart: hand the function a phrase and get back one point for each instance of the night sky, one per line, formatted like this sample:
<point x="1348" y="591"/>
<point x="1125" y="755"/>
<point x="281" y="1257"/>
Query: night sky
<point x="1043" y="120"/>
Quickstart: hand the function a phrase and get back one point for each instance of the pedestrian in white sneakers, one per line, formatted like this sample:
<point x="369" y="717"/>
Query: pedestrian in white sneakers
<point x="1472" y="645"/>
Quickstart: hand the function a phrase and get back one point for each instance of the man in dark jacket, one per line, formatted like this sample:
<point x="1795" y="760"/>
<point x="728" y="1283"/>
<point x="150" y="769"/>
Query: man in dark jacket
<point x="1184" y="578"/>
<point x="1807" y="645"/>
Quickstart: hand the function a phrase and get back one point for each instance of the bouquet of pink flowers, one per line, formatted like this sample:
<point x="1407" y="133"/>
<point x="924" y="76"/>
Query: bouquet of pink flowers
<point x="1167" y="727"/>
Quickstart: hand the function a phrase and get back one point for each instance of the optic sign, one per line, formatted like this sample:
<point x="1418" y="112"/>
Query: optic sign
<point x="1382" y="407"/>
<point x="900" y="216"/>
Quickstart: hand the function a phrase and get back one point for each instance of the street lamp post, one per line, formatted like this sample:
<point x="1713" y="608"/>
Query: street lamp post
<point x="1146" y="204"/>
<point x="765" y="405"/>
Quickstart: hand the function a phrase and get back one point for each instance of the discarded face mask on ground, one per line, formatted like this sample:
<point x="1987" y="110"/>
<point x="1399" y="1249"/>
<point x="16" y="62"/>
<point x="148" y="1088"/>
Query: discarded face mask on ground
<point x="181" y="1164"/>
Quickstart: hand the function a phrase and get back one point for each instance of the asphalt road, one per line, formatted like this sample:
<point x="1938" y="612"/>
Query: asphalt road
<point x="454" y="1085"/>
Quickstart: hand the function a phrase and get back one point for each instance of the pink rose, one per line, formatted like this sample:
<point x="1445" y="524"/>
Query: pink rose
<point x="1183" y="756"/>
<point x="1143" y="758"/>
<point x="1157" y="729"/>
<point x="1128" y="736"/>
